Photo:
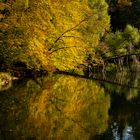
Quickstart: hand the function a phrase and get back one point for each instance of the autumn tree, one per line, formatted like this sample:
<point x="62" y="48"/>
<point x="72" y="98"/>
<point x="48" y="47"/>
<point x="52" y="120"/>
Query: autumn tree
<point x="52" y="34"/>
<point x="80" y="33"/>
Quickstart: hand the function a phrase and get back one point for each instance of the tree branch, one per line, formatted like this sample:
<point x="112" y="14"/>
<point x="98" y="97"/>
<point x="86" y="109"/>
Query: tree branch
<point x="117" y="57"/>
<point x="71" y="29"/>
<point x="60" y="49"/>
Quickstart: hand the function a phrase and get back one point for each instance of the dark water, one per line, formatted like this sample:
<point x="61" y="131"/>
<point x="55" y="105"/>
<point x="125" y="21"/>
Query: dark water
<point x="62" y="107"/>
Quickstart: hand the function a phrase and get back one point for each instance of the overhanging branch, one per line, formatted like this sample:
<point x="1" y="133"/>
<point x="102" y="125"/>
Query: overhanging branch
<point x="71" y="29"/>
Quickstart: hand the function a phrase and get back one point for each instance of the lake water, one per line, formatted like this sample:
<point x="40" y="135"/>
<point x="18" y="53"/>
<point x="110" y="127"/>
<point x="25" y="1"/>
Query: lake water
<point x="62" y="107"/>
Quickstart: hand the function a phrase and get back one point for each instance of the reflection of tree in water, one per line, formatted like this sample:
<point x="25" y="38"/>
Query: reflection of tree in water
<point x="66" y="108"/>
<point x="123" y="83"/>
<point x="124" y="114"/>
<point x="125" y="106"/>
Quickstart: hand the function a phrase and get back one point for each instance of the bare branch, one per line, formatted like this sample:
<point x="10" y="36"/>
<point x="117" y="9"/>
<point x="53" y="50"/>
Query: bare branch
<point x="60" y="49"/>
<point x="121" y="56"/>
<point x="71" y="29"/>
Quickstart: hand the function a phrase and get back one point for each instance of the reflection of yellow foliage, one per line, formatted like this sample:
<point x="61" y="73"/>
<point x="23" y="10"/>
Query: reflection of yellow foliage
<point x="73" y="109"/>
<point x="61" y="107"/>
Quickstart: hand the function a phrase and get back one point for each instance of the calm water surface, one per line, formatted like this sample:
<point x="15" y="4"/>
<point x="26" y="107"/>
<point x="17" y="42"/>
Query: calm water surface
<point x="62" y="107"/>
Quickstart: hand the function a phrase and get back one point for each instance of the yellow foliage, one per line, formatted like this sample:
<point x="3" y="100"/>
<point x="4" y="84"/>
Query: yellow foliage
<point x="56" y="33"/>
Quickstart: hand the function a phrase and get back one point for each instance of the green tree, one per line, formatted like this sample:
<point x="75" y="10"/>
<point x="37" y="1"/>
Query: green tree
<point x="123" y="42"/>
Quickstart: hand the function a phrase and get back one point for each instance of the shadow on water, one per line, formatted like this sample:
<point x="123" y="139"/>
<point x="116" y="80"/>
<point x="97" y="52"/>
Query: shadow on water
<point x="62" y="107"/>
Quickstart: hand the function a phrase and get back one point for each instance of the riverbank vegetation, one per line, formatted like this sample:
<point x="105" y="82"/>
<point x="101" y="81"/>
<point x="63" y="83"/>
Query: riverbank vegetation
<point x="66" y="35"/>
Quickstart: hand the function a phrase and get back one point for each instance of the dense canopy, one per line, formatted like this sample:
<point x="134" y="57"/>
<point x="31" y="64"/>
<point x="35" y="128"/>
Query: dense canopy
<point x="66" y="35"/>
<point x="52" y="34"/>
